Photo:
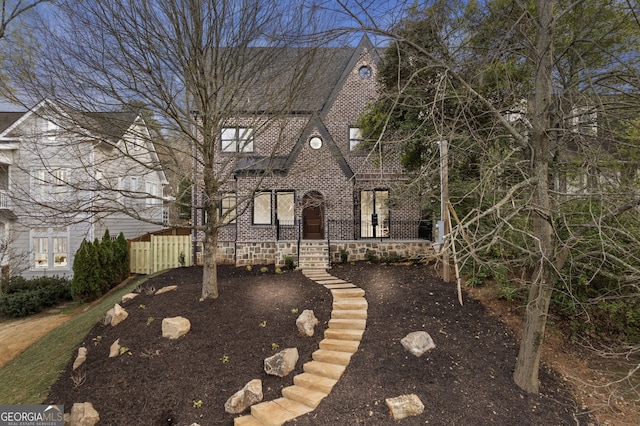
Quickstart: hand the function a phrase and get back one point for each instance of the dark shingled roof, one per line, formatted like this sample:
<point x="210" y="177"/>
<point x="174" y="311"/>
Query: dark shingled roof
<point x="8" y="118"/>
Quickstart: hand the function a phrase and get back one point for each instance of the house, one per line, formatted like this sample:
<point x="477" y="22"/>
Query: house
<point x="302" y="188"/>
<point x="66" y="176"/>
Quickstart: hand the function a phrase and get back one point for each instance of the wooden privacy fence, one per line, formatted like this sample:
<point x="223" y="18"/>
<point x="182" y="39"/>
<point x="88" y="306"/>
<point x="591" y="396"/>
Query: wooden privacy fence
<point x="160" y="253"/>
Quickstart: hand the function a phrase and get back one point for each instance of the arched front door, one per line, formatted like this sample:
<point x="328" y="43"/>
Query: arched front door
<point x="313" y="216"/>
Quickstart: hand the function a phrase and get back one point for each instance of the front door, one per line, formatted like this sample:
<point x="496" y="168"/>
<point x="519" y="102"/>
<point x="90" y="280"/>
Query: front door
<point x="312" y="217"/>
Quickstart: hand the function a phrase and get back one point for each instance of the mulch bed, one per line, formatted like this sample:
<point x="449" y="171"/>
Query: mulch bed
<point x="465" y="380"/>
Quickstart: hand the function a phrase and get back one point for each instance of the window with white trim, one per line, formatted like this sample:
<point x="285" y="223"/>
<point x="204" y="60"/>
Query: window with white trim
<point x="49" y="185"/>
<point x="152" y="191"/>
<point x="237" y="139"/>
<point x="355" y="138"/>
<point x="262" y="208"/>
<point x="50" y="248"/>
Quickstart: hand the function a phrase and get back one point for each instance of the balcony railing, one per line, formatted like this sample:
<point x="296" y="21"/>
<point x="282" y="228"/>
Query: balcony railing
<point x="342" y="230"/>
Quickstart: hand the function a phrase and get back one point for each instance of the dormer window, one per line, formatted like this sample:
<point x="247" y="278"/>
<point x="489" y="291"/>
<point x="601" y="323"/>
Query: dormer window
<point x="237" y="139"/>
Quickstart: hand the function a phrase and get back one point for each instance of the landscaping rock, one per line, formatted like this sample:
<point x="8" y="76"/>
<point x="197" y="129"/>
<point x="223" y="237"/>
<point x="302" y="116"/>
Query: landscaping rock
<point x="404" y="406"/>
<point x="114" y="349"/>
<point x="83" y="414"/>
<point x="116" y="315"/>
<point x="175" y="327"/>
<point x="82" y="357"/>
<point x="418" y="342"/>
<point x="129" y="296"/>
<point x="306" y="323"/>
<point x="167" y="288"/>
<point x="250" y="394"/>
<point x="282" y="363"/>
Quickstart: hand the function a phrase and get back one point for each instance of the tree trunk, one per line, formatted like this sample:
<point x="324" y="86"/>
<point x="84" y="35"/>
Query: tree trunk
<point x="528" y="362"/>
<point x="209" y="271"/>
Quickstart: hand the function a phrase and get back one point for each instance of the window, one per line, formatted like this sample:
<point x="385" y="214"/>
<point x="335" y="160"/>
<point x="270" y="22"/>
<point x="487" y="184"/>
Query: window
<point x="50" y="248"/>
<point x="584" y="120"/>
<point x="285" y="202"/>
<point x="49" y="185"/>
<point x="355" y="138"/>
<point x="237" y="139"/>
<point x="40" y="251"/>
<point x="374" y="214"/>
<point x="262" y="208"/>
<point x="152" y="193"/>
<point x="228" y="208"/>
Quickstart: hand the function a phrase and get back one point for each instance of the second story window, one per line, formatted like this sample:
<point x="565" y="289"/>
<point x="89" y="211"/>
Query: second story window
<point x="237" y="139"/>
<point x="355" y="138"/>
<point x="49" y="185"/>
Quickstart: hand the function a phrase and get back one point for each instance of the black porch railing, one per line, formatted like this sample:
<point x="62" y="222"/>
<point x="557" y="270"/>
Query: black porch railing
<point x="341" y="230"/>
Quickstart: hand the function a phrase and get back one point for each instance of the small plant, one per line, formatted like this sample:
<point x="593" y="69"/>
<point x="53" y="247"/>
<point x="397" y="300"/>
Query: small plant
<point x="249" y="268"/>
<point x="263" y="324"/>
<point x="344" y="255"/>
<point x="370" y="256"/>
<point x="264" y="270"/>
<point x="142" y="306"/>
<point x="288" y="263"/>
<point x="275" y="346"/>
<point x="278" y="271"/>
<point x="182" y="259"/>
<point x="125" y="350"/>
<point x="96" y="340"/>
<point x="148" y="353"/>
<point x="78" y="378"/>
<point x="294" y="310"/>
<point x="225" y="359"/>
<point x="150" y="320"/>
<point x="197" y="404"/>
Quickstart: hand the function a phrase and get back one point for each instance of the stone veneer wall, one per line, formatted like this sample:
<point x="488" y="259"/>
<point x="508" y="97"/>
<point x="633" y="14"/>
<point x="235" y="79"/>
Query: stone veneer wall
<point x="260" y="253"/>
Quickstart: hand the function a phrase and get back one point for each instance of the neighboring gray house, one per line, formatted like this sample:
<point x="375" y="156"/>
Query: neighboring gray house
<point x="66" y="176"/>
<point x="312" y="194"/>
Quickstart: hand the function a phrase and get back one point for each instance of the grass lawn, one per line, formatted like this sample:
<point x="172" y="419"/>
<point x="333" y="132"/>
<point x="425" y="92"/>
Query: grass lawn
<point x="26" y="379"/>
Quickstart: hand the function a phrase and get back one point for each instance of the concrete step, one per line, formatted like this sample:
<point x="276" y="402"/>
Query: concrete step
<point x="345" y="293"/>
<point x="332" y="357"/>
<point x="340" y="285"/>
<point x="332" y="371"/>
<point x="350" y="304"/>
<point x="350" y="346"/>
<point x="313" y="381"/>
<point x="348" y="324"/>
<point x="347" y="314"/>
<point x="340" y="334"/>
<point x="330" y="281"/>
<point x="304" y="395"/>
<point x="278" y="411"/>
<point x="247" y="420"/>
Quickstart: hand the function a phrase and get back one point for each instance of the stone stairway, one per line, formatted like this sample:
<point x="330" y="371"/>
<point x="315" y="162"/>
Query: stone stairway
<point x="341" y="340"/>
<point x="313" y="255"/>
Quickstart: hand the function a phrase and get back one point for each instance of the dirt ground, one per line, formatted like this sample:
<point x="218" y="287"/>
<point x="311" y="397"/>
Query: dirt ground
<point x="465" y="380"/>
<point x="18" y="335"/>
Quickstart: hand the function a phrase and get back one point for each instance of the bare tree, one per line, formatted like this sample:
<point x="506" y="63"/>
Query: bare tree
<point x="198" y="66"/>
<point x="531" y="101"/>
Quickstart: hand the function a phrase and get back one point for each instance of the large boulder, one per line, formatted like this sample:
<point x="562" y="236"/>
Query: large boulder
<point x="404" y="406"/>
<point x="418" y="342"/>
<point x="250" y="394"/>
<point x="306" y="323"/>
<point x="116" y="315"/>
<point x="83" y="414"/>
<point x="81" y="358"/>
<point x="175" y="327"/>
<point x="282" y="363"/>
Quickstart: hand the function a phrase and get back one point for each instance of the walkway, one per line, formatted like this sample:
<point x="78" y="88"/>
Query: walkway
<point x="341" y="341"/>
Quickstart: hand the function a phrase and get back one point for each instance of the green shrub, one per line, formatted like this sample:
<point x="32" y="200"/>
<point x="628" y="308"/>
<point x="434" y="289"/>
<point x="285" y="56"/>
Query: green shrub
<point x="86" y="283"/>
<point x="29" y="297"/>
<point x="392" y="257"/>
<point x="344" y="255"/>
<point x="121" y="257"/>
<point x="289" y="264"/>
<point x="370" y="256"/>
